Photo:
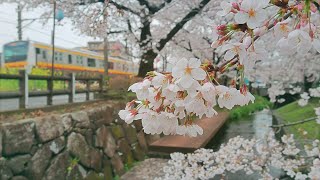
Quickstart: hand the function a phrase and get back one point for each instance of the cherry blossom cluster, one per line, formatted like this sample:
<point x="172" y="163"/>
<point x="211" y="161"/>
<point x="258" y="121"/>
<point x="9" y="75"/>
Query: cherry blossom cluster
<point x="170" y="103"/>
<point x="294" y="24"/>
<point x="304" y="99"/>
<point x="254" y="155"/>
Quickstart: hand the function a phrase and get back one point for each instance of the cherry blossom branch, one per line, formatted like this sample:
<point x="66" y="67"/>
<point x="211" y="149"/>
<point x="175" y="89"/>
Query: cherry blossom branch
<point x="222" y="66"/>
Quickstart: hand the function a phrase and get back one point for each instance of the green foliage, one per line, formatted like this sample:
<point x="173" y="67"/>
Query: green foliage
<point x="73" y="163"/>
<point x="34" y="85"/>
<point x="293" y="112"/>
<point x="117" y="177"/>
<point x="244" y="111"/>
<point x="119" y="95"/>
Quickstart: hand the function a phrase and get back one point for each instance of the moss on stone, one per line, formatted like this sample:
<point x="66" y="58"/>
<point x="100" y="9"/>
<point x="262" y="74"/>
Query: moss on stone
<point x="117" y="131"/>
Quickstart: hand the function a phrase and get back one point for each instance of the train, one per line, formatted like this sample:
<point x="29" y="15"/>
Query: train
<point x="26" y="54"/>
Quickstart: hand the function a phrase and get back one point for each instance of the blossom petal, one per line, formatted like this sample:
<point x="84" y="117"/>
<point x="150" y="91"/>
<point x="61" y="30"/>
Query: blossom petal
<point x="198" y="74"/>
<point x="261" y="15"/>
<point x="226" y="47"/>
<point x="253" y="23"/>
<point x="316" y="44"/>
<point x="241" y="17"/>
<point x="178" y="69"/>
<point x="194" y="63"/>
<point x="229" y="55"/>
<point x="186" y="81"/>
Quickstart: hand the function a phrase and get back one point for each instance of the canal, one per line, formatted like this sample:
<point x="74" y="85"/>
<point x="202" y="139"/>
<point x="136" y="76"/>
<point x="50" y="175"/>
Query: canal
<point x="255" y="125"/>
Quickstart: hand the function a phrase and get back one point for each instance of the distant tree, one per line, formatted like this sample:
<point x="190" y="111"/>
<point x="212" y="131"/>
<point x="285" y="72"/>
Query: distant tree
<point x="148" y="25"/>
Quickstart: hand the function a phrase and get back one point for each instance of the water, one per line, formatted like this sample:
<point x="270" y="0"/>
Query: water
<point x="255" y="125"/>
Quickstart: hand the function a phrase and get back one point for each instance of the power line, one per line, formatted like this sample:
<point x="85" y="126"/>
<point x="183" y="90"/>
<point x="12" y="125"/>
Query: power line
<point x="71" y="42"/>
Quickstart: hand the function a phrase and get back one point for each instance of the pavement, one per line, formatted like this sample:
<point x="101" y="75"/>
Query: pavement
<point x="37" y="102"/>
<point x="146" y="170"/>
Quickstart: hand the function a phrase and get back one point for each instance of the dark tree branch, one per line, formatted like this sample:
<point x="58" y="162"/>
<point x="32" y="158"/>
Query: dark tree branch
<point x="117" y="32"/>
<point x="154" y="9"/>
<point x="186" y="48"/>
<point x="130" y="30"/>
<point x="180" y="25"/>
<point x="294" y="123"/>
<point x="122" y="7"/>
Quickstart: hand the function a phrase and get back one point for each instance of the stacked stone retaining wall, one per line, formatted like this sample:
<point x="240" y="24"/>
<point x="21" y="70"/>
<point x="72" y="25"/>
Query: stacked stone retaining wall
<point x="91" y="144"/>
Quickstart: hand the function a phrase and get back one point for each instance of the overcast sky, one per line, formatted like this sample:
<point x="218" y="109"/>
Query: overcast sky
<point x="65" y="35"/>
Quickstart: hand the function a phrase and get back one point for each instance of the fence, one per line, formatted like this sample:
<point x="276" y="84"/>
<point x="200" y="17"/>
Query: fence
<point x="23" y="94"/>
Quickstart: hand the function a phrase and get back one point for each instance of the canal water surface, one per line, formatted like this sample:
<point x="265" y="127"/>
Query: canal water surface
<point x="255" y="125"/>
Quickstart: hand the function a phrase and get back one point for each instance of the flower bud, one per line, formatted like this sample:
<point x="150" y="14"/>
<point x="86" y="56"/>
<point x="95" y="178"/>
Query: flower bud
<point x="221" y="27"/>
<point x="236" y="6"/>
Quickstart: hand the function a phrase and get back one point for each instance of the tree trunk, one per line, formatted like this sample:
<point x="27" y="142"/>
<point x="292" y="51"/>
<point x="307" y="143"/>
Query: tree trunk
<point x="146" y="64"/>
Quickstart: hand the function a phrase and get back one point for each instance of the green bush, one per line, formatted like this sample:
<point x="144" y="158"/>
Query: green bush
<point x="242" y="111"/>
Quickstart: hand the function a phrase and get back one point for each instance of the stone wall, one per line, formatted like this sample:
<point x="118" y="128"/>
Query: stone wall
<point x="91" y="144"/>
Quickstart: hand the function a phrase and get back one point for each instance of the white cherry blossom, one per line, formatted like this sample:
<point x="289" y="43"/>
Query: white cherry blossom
<point x="282" y="29"/>
<point x="226" y="8"/>
<point x="252" y="12"/>
<point x="141" y="89"/>
<point x="235" y="49"/>
<point x="299" y="41"/>
<point x="245" y="98"/>
<point x="188" y="71"/>
<point x="316" y="44"/>
<point x="129" y="115"/>
<point x="229" y="98"/>
<point x="191" y="130"/>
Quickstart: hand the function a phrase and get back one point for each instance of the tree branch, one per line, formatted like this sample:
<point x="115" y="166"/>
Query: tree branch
<point x="117" y="32"/>
<point x="220" y="68"/>
<point x="294" y="123"/>
<point x="122" y="7"/>
<point x="178" y="26"/>
<point x="153" y="9"/>
<point x="186" y="48"/>
<point x="130" y="30"/>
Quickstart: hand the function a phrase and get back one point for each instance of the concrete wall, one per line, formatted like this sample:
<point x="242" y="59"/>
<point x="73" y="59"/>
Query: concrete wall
<point x="90" y="144"/>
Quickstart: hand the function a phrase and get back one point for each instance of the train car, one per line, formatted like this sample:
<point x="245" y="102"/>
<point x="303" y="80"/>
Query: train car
<point x="22" y="54"/>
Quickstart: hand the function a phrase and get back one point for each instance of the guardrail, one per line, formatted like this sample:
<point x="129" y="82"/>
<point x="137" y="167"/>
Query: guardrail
<point x="23" y="93"/>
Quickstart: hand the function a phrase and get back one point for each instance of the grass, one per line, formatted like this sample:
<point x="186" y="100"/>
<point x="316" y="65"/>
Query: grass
<point x="243" y="111"/>
<point x="7" y="85"/>
<point x="113" y="94"/>
<point x="293" y="112"/>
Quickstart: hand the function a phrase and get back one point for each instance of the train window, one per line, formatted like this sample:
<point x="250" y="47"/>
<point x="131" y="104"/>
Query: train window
<point x="91" y="62"/>
<point x="70" y="59"/>
<point x="37" y="51"/>
<point x="56" y="56"/>
<point x="44" y="54"/>
<point x="79" y="60"/>
<point x="110" y="65"/>
<point x="60" y="56"/>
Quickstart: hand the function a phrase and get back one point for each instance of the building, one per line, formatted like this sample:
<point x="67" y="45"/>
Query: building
<point x="116" y="49"/>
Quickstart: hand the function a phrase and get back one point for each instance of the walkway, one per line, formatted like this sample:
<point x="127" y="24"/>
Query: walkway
<point x="185" y="144"/>
<point x="146" y="170"/>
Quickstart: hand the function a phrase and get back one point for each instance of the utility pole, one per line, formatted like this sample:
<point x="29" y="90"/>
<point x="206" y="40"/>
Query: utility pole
<point x="19" y="26"/>
<point x="106" y="60"/>
<point x="50" y="100"/>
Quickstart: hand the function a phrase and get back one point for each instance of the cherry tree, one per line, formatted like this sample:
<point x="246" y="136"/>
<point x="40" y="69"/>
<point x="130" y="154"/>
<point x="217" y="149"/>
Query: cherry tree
<point x="170" y="103"/>
<point x="147" y="25"/>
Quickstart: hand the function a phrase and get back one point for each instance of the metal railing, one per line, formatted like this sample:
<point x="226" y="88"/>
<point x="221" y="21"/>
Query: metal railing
<point x="23" y="93"/>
